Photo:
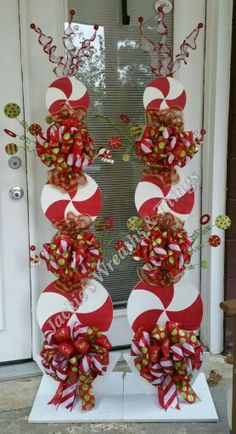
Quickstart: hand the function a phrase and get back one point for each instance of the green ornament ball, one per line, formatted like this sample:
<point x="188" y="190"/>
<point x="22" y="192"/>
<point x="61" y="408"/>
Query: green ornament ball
<point x="12" y="110"/>
<point x="134" y="223"/>
<point x="126" y="158"/>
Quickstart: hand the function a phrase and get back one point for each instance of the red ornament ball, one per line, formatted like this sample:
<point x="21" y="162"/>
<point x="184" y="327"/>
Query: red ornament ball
<point x="35" y="129"/>
<point x="32" y="248"/>
<point x="214" y="241"/>
<point x="115" y="142"/>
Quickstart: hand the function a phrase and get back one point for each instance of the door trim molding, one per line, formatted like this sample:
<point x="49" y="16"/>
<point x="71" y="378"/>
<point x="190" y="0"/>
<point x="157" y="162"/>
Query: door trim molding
<point x="35" y="11"/>
<point x="217" y="16"/>
<point x="216" y="114"/>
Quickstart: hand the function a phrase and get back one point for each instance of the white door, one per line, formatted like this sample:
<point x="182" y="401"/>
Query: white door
<point x="116" y="82"/>
<point x="15" y="309"/>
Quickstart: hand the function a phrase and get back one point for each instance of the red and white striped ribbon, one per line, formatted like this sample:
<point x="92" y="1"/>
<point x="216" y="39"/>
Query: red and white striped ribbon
<point x="68" y="396"/>
<point x="167" y="394"/>
<point x="146" y="145"/>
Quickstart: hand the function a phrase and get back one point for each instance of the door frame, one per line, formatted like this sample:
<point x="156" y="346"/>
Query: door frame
<point x="214" y="117"/>
<point x="215" y="114"/>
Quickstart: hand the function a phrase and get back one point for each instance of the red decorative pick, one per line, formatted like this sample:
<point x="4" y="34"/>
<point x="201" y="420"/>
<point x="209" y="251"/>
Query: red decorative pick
<point x="162" y="59"/>
<point x="69" y="63"/>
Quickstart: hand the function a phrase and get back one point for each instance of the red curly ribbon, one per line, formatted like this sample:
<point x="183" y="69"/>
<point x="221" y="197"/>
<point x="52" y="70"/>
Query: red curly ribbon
<point x="75" y="356"/>
<point x="166" y="357"/>
<point x="162" y="62"/>
<point x="69" y="63"/>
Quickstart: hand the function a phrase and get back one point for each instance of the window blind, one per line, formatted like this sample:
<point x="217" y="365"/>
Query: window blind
<point x="116" y="76"/>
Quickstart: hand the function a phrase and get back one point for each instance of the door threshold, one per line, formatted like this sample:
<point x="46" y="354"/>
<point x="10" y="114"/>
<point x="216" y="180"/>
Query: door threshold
<point x="18" y="370"/>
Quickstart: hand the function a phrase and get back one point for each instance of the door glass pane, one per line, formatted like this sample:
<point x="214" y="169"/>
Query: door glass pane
<point x="116" y="76"/>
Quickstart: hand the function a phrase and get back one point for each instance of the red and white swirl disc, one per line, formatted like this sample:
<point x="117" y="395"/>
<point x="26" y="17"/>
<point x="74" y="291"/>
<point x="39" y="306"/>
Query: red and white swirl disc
<point x="148" y="305"/>
<point x="57" y="308"/>
<point x="151" y="196"/>
<point x="56" y="203"/>
<point x="67" y="90"/>
<point x="163" y="93"/>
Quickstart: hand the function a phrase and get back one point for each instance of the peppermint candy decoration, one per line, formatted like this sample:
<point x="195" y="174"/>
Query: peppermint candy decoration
<point x="151" y="196"/>
<point x="181" y="302"/>
<point x="66" y="91"/>
<point x="56" y="204"/>
<point x="91" y="306"/>
<point x="163" y="93"/>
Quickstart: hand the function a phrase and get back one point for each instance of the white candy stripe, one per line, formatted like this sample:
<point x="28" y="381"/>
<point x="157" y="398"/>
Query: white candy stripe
<point x="64" y="245"/>
<point x="70" y="160"/>
<point x="46" y="254"/>
<point x="85" y="364"/>
<point x="188" y="348"/>
<point x="97" y="364"/>
<point x="135" y="349"/>
<point x="175" y="402"/>
<point x="54" y="265"/>
<point x="190" y="366"/>
<point x="171" y="158"/>
<point x="73" y="262"/>
<point x="145" y="340"/>
<point x="170" y="394"/>
<point x="181" y="261"/>
<point x="80" y="330"/>
<point x="175" y="247"/>
<point x="61" y="375"/>
<point x="166" y="363"/>
<point x="160" y="251"/>
<point x="69" y="390"/>
<point x="157" y="381"/>
<point x="177" y="351"/>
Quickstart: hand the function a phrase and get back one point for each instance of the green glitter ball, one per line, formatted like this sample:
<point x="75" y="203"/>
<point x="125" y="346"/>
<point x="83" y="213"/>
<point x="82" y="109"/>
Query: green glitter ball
<point x="12" y="110"/>
<point x="126" y="158"/>
<point x="134" y="223"/>
<point x="223" y="222"/>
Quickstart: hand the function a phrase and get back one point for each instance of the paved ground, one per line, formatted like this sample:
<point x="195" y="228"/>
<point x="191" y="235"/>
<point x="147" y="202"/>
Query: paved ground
<point x="16" y="398"/>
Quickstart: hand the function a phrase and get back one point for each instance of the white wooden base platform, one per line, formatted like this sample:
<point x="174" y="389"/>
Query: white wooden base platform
<point x="123" y="398"/>
<point x="141" y="403"/>
<point x="140" y="407"/>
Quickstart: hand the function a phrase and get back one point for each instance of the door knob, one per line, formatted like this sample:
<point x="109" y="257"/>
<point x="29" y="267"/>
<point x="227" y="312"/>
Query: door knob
<point x="16" y="192"/>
